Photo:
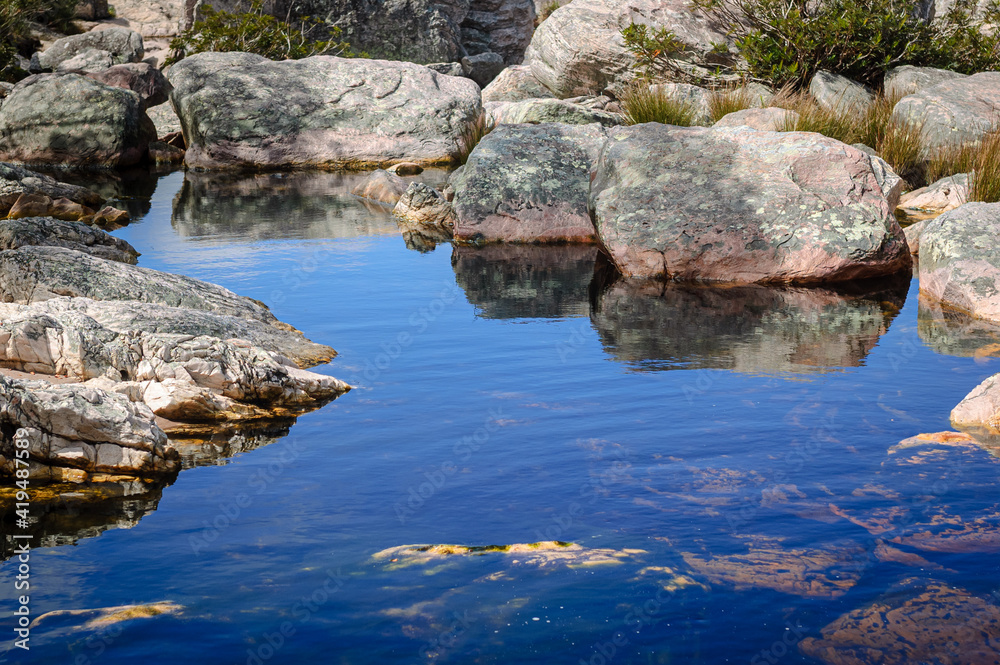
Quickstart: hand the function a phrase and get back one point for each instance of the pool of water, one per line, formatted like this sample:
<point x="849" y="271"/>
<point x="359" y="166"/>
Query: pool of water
<point x="725" y="455"/>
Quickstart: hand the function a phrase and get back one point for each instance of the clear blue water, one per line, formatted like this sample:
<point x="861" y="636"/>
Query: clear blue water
<point x="502" y="398"/>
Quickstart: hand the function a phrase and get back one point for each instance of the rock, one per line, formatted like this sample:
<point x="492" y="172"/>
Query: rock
<point x="29" y="205"/>
<point x="763" y="119"/>
<point x="124" y="46"/>
<point x="406" y="168"/>
<point x="959" y="264"/>
<point x="141" y="78"/>
<point x="695" y="97"/>
<point x="34" y="274"/>
<point x="979" y="412"/>
<point x="946" y="194"/>
<point x="547" y="110"/>
<point x="739" y="205"/>
<point x="71" y="119"/>
<point x="163" y="153"/>
<point x="919" y="622"/>
<point x="74" y="427"/>
<point x="868" y="150"/>
<point x="319" y="111"/>
<point x="540" y="554"/>
<point x="164" y="119"/>
<point x="92" y="10"/>
<point x="69" y="211"/>
<point x="579" y="49"/>
<point x="501" y="26"/>
<point x="835" y="91"/>
<point x="515" y="84"/>
<point x="482" y="68"/>
<point x="912" y="233"/>
<point x="953" y="112"/>
<point x="87" y="61"/>
<point x="15" y="181"/>
<point x="174" y="139"/>
<point x="126" y="316"/>
<point x="423" y="211"/>
<point x="448" y="68"/>
<point x="528" y="183"/>
<point x="110" y="218"/>
<point x="906" y="80"/>
<point x="382" y="187"/>
<point x="49" y="232"/>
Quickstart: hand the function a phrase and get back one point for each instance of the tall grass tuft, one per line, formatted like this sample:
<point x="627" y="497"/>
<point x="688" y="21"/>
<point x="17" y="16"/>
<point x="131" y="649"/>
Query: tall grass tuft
<point x="985" y="179"/>
<point x="641" y="103"/>
<point x="951" y="159"/>
<point x="729" y="100"/>
<point x="837" y="123"/>
<point x="472" y="134"/>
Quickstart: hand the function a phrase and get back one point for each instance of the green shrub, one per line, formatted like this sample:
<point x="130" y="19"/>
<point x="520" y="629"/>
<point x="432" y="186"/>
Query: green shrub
<point x="16" y="17"/>
<point x="641" y="103"/>
<point x="257" y="32"/>
<point x="787" y="41"/>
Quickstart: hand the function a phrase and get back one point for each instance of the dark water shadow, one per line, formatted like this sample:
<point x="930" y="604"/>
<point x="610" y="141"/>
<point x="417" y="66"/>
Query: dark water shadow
<point x="129" y="189"/>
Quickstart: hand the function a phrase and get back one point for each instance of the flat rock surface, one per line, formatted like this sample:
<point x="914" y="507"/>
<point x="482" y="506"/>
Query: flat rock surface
<point x="49" y="232"/>
<point x="955" y="111"/>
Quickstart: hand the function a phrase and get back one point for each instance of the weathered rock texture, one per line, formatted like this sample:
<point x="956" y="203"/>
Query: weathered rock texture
<point x="422" y="209"/>
<point x="697" y="99"/>
<point x="766" y="120"/>
<point x="381" y="187"/>
<point x="833" y="91"/>
<point x="579" y="50"/>
<point x="515" y="84"/>
<point x="908" y="79"/>
<point x="47" y="231"/>
<point x="955" y="111"/>
<point x="73" y="120"/>
<point x="979" y="412"/>
<point x="946" y="194"/>
<point x="959" y="262"/>
<point x="141" y="78"/>
<point x="121" y="45"/>
<point x="548" y="110"/>
<point x="78" y="433"/>
<point x="528" y="183"/>
<point x="739" y="205"/>
<point x="15" y="181"/>
<point x="244" y="111"/>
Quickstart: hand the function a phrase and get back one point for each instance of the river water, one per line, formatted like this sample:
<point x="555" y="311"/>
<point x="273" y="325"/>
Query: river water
<point x="725" y="461"/>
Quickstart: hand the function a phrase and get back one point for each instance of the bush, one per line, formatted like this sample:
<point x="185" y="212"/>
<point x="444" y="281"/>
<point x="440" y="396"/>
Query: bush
<point x="657" y="52"/>
<point x="16" y="17"/>
<point x="257" y="32"/>
<point x="641" y="103"/>
<point x="787" y="41"/>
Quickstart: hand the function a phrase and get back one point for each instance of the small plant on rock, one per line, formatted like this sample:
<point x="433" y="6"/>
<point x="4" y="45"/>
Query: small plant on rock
<point x="257" y="32"/>
<point x="729" y="100"/>
<point x="644" y="103"/>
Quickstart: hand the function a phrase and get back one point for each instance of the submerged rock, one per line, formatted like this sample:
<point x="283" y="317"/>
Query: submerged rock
<point x="49" y="232"/>
<point x="919" y="622"/>
<point x="422" y="212"/>
<point x="244" y="111"/>
<point x="959" y="264"/>
<point x="738" y="205"/>
<point x="381" y="187"/>
<point x="106" y="616"/>
<point x="541" y="554"/>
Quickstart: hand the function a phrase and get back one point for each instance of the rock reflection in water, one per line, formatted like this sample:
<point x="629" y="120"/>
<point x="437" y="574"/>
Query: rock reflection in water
<point x="262" y="206"/>
<point x="525" y="281"/>
<point x="129" y="189"/>
<point x="951" y="332"/>
<point x="62" y="514"/>
<point x="754" y="329"/>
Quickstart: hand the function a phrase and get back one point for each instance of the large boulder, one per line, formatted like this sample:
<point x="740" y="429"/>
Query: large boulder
<point x="78" y="433"/>
<point x="69" y="119"/>
<point x="548" y="110"/>
<point x="955" y="111"/>
<point x="766" y="119"/>
<point x="907" y="79"/>
<point x="50" y="232"/>
<point x="959" y="262"/>
<point x="579" y="49"/>
<point x="16" y="180"/>
<point x="528" y="183"/>
<point x="121" y="44"/>
<point x="244" y="111"/>
<point x="140" y="77"/>
<point x="739" y="205"/>
<point x="515" y="84"/>
<point x="979" y="412"/>
<point x="832" y="91"/>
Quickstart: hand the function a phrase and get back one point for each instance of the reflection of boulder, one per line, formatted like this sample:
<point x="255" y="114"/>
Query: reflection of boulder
<point x="745" y="328"/>
<point x="951" y="332"/>
<point x="129" y="189"/>
<point x="512" y="281"/>
<point x="276" y="205"/>
<point x="921" y="622"/>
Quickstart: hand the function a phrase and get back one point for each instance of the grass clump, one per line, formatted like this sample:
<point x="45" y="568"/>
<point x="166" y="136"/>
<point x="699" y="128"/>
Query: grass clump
<point x="981" y="160"/>
<point x="729" y="100"/>
<point x="472" y="134"/>
<point x="644" y="103"/>
<point x="255" y="31"/>
<point x="16" y="17"/>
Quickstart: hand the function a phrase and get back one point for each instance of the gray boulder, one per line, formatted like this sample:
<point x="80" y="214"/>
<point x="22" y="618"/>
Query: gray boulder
<point x="579" y="50"/>
<point x="164" y="119"/>
<point x="140" y="77"/>
<point x="87" y="61"/>
<point x="16" y="180"/>
<point x="123" y="45"/>
<point x="766" y="119"/>
<point x="515" y="84"/>
<point x="740" y="205"/>
<point x="979" y="413"/>
<point x="908" y="79"/>
<point x="528" y="183"/>
<point x="447" y="68"/>
<point x="76" y="433"/>
<point x="548" y="110"/>
<point x="423" y="210"/>
<point x="955" y="111"/>
<point x="49" y="232"/>
<point x="959" y="264"/>
<point x="33" y="274"/>
<point x="70" y="119"/>
<point x="835" y="91"/>
<point x="912" y="233"/>
<point x="243" y="111"/>
<point x="483" y="67"/>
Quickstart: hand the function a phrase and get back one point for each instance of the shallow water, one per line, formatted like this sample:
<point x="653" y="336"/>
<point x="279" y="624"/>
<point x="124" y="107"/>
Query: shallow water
<point x="730" y="446"/>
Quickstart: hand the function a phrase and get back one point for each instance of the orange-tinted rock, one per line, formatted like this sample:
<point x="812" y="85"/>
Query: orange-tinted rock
<point x="30" y="205"/>
<point x="69" y="211"/>
<point x="109" y="218"/>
